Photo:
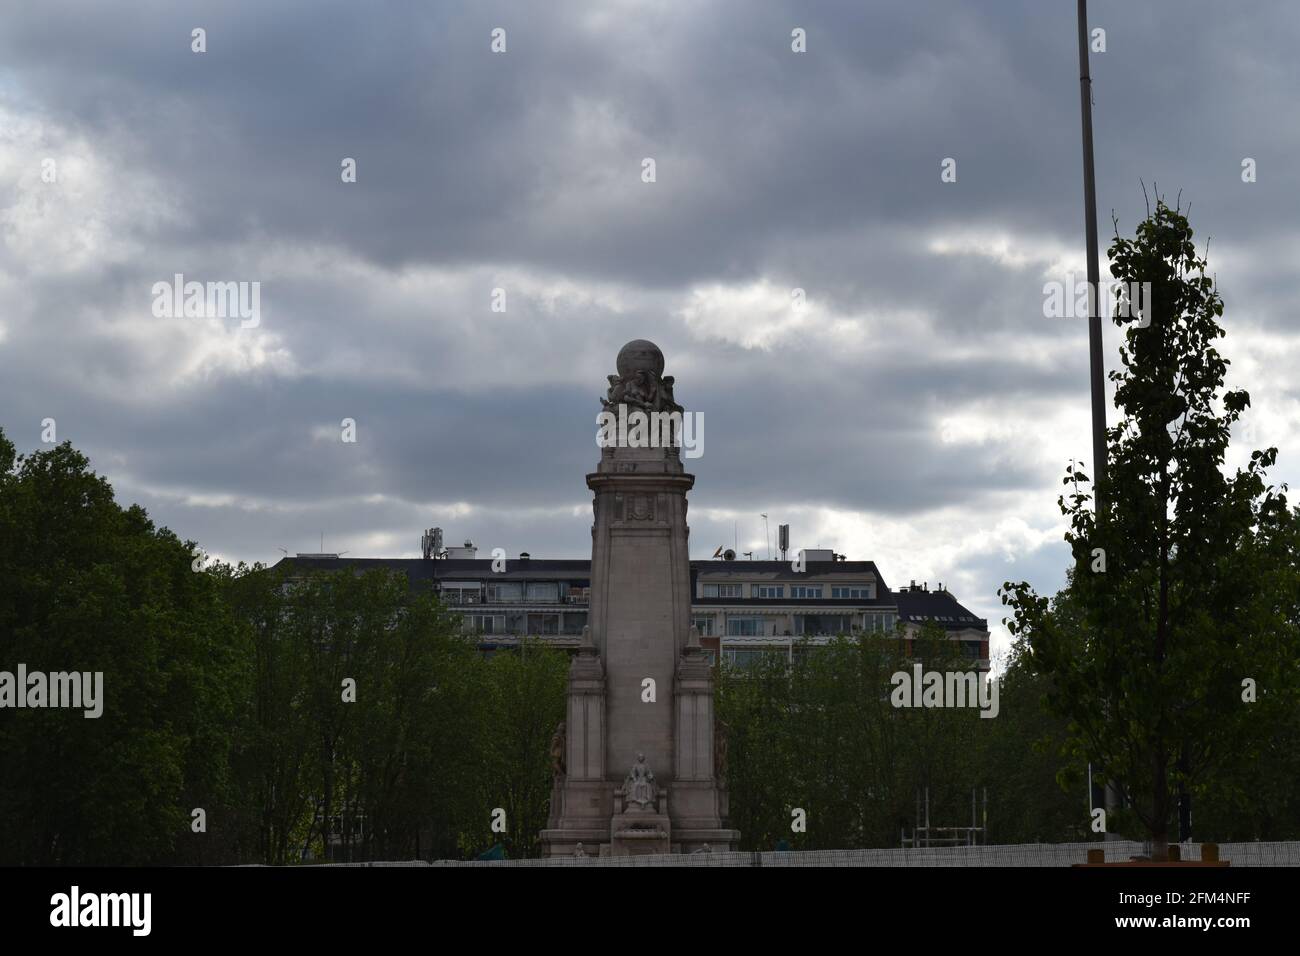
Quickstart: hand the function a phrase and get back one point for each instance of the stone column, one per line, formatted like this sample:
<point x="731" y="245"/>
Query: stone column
<point x="580" y="798"/>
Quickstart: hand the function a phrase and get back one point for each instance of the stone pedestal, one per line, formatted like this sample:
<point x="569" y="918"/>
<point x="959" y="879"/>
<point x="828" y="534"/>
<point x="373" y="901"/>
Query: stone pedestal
<point x="639" y="831"/>
<point x="641" y="684"/>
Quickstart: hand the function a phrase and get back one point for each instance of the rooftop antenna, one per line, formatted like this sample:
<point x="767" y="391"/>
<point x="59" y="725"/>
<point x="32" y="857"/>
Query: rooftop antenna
<point x="431" y="544"/>
<point x="767" y="536"/>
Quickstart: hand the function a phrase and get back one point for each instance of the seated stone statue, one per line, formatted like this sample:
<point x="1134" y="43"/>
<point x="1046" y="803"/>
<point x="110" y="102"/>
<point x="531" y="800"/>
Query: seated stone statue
<point x="639" y="787"/>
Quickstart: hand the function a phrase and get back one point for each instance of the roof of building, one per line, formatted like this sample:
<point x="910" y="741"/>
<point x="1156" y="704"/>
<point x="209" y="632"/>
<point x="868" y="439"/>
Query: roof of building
<point x="784" y="570"/>
<point x="418" y="568"/>
<point x="918" y="606"/>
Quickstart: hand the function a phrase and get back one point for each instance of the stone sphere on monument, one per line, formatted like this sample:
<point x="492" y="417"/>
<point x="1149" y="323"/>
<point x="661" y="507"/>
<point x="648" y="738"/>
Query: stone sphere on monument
<point x="640" y="355"/>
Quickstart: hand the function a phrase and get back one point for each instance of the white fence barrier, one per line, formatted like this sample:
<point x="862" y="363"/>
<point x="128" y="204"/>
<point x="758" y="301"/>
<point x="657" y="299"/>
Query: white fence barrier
<point x="1029" y="854"/>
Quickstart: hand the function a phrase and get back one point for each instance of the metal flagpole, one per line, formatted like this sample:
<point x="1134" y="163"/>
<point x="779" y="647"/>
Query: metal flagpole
<point x="1096" y="366"/>
<point x="1097" y="371"/>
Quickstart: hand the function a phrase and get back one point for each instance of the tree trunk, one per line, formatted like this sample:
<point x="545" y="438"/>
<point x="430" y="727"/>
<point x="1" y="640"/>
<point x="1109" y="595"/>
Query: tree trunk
<point x="1184" y="800"/>
<point x="1160" y="781"/>
<point x="1160" y="811"/>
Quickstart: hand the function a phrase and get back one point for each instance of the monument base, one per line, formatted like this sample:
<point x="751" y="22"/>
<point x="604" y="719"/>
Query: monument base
<point x="580" y="813"/>
<point x="705" y="840"/>
<point x="591" y="819"/>
<point x="568" y="842"/>
<point x="639" y="833"/>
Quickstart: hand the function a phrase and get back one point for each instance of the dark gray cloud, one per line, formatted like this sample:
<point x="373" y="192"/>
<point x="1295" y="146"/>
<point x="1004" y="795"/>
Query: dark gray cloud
<point x="922" y="392"/>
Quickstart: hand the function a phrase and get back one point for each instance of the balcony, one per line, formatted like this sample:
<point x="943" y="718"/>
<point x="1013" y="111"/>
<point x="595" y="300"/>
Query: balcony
<point x="460" y="598"/>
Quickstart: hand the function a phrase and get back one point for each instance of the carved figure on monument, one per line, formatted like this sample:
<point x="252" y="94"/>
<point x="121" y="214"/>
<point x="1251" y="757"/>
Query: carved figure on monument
<point x="693" y="649"/>
<point x="720" y="752"/>
<point x="666" y="394"/>
<point x="640" y="382"/>
<point x="616" y="392"/>
<point x="639" y="787"/>
<point x="557" y="751"/>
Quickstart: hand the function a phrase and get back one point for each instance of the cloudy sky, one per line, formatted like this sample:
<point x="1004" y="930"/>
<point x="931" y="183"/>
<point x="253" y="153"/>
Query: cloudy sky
<point x="918" y="411"/>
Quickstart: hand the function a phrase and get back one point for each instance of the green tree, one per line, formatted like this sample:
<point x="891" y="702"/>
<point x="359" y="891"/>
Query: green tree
<point x="1149" y="675"/>
<point x="392" y="771"/>
<point x="421" y="741"/>
<point x="754" y="705"/>
<point x="819" y="732"/>
<point x="1037" y="782"/>
<point x="92" y="587"/>
<point x="526" y="699"/>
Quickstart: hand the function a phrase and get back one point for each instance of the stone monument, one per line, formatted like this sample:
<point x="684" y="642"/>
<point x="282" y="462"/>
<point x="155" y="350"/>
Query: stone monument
<point x="640" y="692"/>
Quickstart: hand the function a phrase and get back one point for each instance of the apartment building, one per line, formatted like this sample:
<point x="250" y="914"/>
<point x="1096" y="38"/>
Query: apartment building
<point x="741" y="608"/>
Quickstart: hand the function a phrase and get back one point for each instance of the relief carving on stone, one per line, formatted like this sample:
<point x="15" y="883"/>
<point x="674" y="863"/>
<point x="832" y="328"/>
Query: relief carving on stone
<point x="557" y="751"/>
<point x="643" y="508"/>
<point x="720" y="752"/>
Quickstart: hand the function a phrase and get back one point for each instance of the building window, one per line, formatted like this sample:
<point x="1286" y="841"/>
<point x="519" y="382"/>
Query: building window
<point x="805" y="591"/>
<point x="854" y="594"/>
<point x="543" y="624"/>
<point x="770" y="590"/>
<point x="879" y="622"/>
<point x="486" y="623"/>
<point x="825" y="624"/>
<point x="543" y="592"/>
<point x="505" y="593"/>
<point x="460" y="595"/>
<point x="704" y="625"/>
<point x="746" y="657"/>
<point x="722" y="590"/>
<point x="744" y="627"/>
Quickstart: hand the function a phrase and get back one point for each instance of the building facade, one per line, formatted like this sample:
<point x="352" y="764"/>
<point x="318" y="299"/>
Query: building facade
<point x="741" y="608"/>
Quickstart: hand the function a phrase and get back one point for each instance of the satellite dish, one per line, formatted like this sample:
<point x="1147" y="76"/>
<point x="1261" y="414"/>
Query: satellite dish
<point x="728" y="555"/>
